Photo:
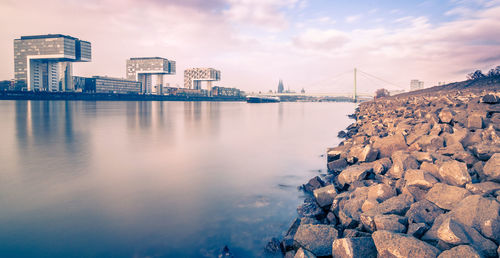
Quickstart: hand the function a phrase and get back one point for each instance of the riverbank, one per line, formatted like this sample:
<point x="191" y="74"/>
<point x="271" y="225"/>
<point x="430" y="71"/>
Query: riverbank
<point x="418" y="175"/>
<point x="29" y="95"/>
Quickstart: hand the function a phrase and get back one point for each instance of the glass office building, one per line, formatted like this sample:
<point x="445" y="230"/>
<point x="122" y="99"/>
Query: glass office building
<point x="44" y="62"/>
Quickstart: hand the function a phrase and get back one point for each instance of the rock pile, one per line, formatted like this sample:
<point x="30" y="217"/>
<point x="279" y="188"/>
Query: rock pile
<point x="416" y="176"/>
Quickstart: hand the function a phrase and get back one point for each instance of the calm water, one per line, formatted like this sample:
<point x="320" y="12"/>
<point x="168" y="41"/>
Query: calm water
<point x="157" y="179"/>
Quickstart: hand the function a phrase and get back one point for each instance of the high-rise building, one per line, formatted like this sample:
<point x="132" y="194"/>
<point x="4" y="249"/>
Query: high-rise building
<point x="195" y="76"/>
<point x="281" y="88"/>
<point x="44" y="62"/>
<point x="416" y="85"/>
<point x="151" y="72"/>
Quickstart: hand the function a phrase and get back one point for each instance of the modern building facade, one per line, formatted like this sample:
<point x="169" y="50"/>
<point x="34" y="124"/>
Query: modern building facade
<point x="44" y="62"/>
<point x="151" y="72"/>
<point x="103" y="84"/>
<point x="194" y="77"/>
<point x="416" y="85"/>
<point x="226" y="92"/>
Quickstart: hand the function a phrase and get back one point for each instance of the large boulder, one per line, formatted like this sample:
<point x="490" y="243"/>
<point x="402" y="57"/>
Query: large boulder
<point x="354" y="247"/>
<point x="452" y="232"/>
<point x="460" y="251"/>
<point x="419" y="178"/>
<point x="316" y="238"/>
<point x="368" y="154"/>
<point x="401" y="161"/>
<point x="492" y="168"/>
<point x="490" y="99"/>
<point x="445" y="116"/>
<point x="480" y="213"/>
<point x="475" y="121"/>
<point x="382" y="165"/>
<point x="446" y="196"/>
<point x="381" y="192"/>
<point x="325" y="195"/>
<point x="391" y="222"/>
<point x="337" y="165"/>
<point x="423" y="212"/>
<point x="398" y="245"/>
<point x="487" y="187"/>
<point x="309" y="209"/>
<point x="455" y="173"/>
<point x="389" y="144"/>
<point x="314" y="183"/>
<point x="428" y="143"/>
<point x="395" y="205"/>
<point x="354" y="173"/>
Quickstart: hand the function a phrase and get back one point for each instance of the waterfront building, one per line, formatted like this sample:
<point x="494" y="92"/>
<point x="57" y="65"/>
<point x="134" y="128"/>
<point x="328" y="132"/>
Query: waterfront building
<point x="225" y="92"/>
<point x="151" y="72"/>
<point x="281" y="88"/>
<point x="103" y="84"/>
<point x="7" y="85"/>
<point x="416" y="85"/>
<point x="44" y="62"/>
<point x="195" y="76"/>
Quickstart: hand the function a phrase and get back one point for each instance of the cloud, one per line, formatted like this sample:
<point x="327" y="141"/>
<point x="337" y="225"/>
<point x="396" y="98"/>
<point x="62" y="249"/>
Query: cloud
<point x="353" y="18"/>
<point x="262" y="13"/>
<point x="321" y="39"/>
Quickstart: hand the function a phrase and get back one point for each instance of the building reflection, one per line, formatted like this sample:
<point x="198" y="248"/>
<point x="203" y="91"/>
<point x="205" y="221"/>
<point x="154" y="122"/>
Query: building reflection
<point x="48" y="125"/>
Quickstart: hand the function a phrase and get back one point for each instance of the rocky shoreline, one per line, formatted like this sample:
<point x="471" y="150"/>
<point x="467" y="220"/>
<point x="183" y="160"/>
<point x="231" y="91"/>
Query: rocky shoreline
<point x="418" y="175"/>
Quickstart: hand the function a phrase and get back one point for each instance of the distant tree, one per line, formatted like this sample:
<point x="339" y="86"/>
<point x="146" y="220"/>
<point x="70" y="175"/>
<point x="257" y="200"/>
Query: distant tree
<point x="494" y="72"/>
<point x="380" y="93"/>
<point x="478" y="74"/>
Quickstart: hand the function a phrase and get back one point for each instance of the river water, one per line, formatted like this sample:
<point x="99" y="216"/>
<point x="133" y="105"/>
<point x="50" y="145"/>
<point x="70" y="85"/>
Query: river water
<point x="156" y="179"/>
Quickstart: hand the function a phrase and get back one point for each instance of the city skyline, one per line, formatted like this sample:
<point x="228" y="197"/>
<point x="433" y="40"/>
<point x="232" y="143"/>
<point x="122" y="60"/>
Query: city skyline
<point x="302" y="42"/>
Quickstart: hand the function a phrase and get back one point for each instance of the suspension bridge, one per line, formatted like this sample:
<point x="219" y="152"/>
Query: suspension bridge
<point x="353" y="85"/>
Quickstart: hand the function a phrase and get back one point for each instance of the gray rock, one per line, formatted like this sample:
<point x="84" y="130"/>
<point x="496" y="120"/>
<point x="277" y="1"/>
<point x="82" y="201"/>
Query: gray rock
<point x="460" y="251"/>
<point x="475" y="121"/>
<point x="309" y="209"/>
<point x="484" y="151"/>
<point x="445" y="116"/>
<point x="381" y="192"/>
<point x="395" y="205"/>
<point x="391" y="222"/>
<point x="490" y="99"/>
<point x="337" y="165"/>
<point x="303" y="253"/>
<point x="479" y="213"/>
<point x="354" y="173"/>
<point x="455" y="233"/>
<point x="417" y="192"/>
<point x="389" y="144"/>
<point x="492" y="168"/>
<point x="423" y="212"/>
<point x="325" y="195"/>
<point x="446" y="196"/>
<point x="419" y="178"/>
<point x="398" y="245"/>
<point x="382" y="165"/>
<point x="431" y="168"/>
<point x="487" y="187"/>
<point x="428" y="143"/>
<point x="401" y="161"/>
<point x="455" y="173"/>
<point x="333" y="155"/>
<point x="417" y="229"/>
<point x="314" y="183"/>
<point x="354" y="247"/>
<point x="368" y="154"/>
<point x="316" y="238"/>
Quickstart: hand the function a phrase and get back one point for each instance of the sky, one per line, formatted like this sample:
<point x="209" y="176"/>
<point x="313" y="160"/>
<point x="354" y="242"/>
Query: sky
<point x="310" y="44"/>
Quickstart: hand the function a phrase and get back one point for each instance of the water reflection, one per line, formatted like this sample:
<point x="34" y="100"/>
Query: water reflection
<point x="162" y="179"/>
